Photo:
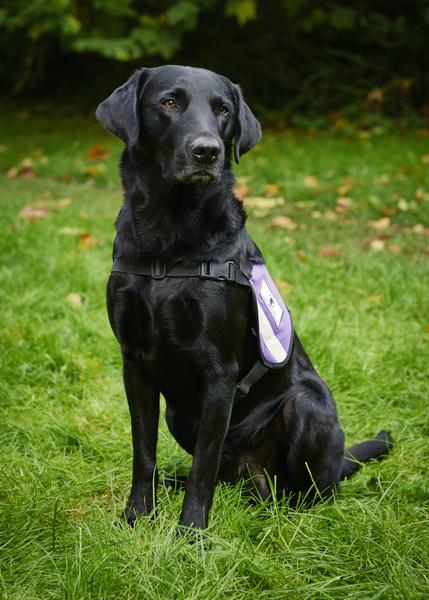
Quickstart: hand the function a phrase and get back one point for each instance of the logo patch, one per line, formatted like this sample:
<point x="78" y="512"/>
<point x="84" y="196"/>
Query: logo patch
<point x="271" y="303"/>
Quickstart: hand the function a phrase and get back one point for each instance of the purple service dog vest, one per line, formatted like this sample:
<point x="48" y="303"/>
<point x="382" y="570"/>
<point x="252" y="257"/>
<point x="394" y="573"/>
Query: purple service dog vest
<point x="275" y="331"/>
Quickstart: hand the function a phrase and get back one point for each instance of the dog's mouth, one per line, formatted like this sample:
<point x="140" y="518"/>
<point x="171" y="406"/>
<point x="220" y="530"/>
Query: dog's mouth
<point x="194" y="176"/>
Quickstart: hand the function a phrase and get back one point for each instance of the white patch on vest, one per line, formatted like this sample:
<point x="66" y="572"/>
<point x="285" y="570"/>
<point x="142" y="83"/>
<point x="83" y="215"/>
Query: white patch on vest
<point x="267" y="334"/>
<point x="271" y="303"/>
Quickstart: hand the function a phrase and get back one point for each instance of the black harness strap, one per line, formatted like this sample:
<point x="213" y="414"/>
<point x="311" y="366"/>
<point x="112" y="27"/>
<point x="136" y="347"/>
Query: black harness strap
<point x="206" y="269"/>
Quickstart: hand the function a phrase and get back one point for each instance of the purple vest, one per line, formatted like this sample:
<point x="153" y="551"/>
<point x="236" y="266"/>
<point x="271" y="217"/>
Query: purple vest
<point x="275" y="331"/>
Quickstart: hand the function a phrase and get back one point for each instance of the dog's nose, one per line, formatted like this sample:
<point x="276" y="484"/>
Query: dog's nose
<point x="205" y="150"/>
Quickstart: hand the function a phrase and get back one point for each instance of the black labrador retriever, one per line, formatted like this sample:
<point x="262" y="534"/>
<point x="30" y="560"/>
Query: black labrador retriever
<point x="190" y="337"/>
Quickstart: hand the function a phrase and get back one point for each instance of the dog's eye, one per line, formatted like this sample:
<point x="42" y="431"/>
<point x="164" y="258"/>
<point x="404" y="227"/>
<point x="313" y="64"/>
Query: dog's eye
<point x="223" y="110"/>
<point x="169" y="103"/>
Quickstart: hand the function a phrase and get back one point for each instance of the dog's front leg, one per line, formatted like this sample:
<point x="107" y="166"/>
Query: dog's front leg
<point x="143" y="402"/>
<point x="215" y="417"/>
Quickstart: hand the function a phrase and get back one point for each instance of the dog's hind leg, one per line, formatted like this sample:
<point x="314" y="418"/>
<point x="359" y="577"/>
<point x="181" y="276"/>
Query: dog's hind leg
<point x="143" y="402"/>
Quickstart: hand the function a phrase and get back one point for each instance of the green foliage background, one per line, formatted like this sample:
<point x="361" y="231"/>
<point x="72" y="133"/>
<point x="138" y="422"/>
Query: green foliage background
<point x="291" y="56"/>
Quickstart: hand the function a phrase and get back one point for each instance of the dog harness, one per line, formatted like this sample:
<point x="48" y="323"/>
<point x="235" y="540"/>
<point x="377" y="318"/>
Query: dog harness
<point x="273" y="321"/>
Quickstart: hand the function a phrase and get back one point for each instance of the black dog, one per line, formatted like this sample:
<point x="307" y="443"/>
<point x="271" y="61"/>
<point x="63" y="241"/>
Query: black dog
<point x="190" y="337"/>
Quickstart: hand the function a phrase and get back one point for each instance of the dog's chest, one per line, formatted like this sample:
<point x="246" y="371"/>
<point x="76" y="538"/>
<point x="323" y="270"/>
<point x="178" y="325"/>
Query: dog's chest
<point x="177" y="323"/>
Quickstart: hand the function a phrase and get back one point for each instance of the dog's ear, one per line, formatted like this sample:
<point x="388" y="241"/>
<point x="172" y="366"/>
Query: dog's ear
<point x="247" y="129"/>
<point x="120" y="112"/>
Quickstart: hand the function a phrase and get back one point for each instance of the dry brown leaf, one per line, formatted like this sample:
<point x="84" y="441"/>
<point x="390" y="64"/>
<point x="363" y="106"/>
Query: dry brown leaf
<point x="271" y="189"/>
<point x="426" y="329"/>
<point x="241" y="191"/>
<point x="97" y="152"/>
<point x="24" y="170"/>
<point x="94" y="170"/>
<point x="425" y="159"/>
<point x="427" y="250"/>
<point x="33" y="212"/>
<point x="380" y="224"/>
<point x="283" y="286"/>
<point x="344" y="204"/>
<point x="394" y="248"/>
<point x="284" y="222"/>
<point x="260" y="213"/>
<point x="74" y="299"/>
<point x="311" y="181"/>
<point x="262" y="202"/>
<point x="328" y="251"/>
<point x="87" y="241"/>
<point x="302" y="256"/>
<point x="376" y="245"/>
<point x="388" y="211"/>
<point x="375" y="96"/>
<point x="345" y="187"/>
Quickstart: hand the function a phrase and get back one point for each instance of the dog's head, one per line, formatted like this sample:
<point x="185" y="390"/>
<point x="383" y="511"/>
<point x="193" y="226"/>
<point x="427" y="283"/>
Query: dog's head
<point x="183" y="118"/>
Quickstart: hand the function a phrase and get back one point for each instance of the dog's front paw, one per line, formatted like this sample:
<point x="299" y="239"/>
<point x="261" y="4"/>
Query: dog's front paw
<point x="136" y="508"/>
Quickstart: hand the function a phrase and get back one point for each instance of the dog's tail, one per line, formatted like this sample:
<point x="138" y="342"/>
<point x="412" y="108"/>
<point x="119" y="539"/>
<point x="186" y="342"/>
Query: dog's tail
<point x="377" y="448"/>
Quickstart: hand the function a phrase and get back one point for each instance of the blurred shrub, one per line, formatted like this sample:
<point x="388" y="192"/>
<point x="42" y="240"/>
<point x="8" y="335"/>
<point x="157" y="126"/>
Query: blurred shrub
<point x="291" y="56"/>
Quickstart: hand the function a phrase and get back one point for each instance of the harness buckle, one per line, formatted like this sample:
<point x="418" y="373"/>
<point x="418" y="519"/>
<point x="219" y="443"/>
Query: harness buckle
<point x="158" y="270"/>
<point x="205" y="269"/>
<point x="231" y="270"/>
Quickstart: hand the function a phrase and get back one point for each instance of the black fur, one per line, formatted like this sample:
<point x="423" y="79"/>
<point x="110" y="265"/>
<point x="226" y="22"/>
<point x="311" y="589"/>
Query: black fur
<point x="190" y="339"/>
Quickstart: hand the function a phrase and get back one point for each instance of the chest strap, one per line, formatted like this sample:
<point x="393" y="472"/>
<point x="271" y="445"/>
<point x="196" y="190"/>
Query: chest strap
<point x="206" y="269"/>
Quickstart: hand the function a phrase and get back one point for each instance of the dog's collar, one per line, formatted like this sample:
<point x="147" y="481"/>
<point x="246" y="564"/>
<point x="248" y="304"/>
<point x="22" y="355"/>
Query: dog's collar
<point x="205" y="269"/>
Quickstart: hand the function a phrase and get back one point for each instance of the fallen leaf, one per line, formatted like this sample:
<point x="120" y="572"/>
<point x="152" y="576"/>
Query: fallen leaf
<point x="376" y="299"/>
<point x="328" y="251"/>
<point x="427" y="250"/>
<point x="241" y="191"/>
<point x="311" y="181"/>
<point x="427" y="329"/>
<point x="425" y="159"/>
<point x="96" y="151"/>
<point x="94" y="171"/>
<point x="394" y="248"/>
<point x="24" y="170"/>
<point x="344" y="204"/>
<point x="33" y="212"/>
<point x="74" y="299"/>
<point x="87" y="241"/>
<point x="345" y="187"/>
<point x="262" y="202"/>
<point x="420" y="229"/>
<point x="302" y="256"/>
<point x="388" y="211"/>
<point x="260" y="213"/>
<point x="329" y="215"/>
<point x="375" y="96"/>
<point x="376" y="245"/>
<point x="271" y="189"/>
<point x="284" y="222"/>
<point x="63" y="202"/>
<point x="69" y="231"/>
<point x="380" y="224"/>
<point x="283" y="286"/>
<point x="403" y="205"/>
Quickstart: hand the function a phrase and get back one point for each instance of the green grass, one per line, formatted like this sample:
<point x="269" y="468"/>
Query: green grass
<point x="64" y="427"/>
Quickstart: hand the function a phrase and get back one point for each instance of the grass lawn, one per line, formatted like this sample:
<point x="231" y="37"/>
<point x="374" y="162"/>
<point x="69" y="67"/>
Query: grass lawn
<point x="354" y="272"/>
